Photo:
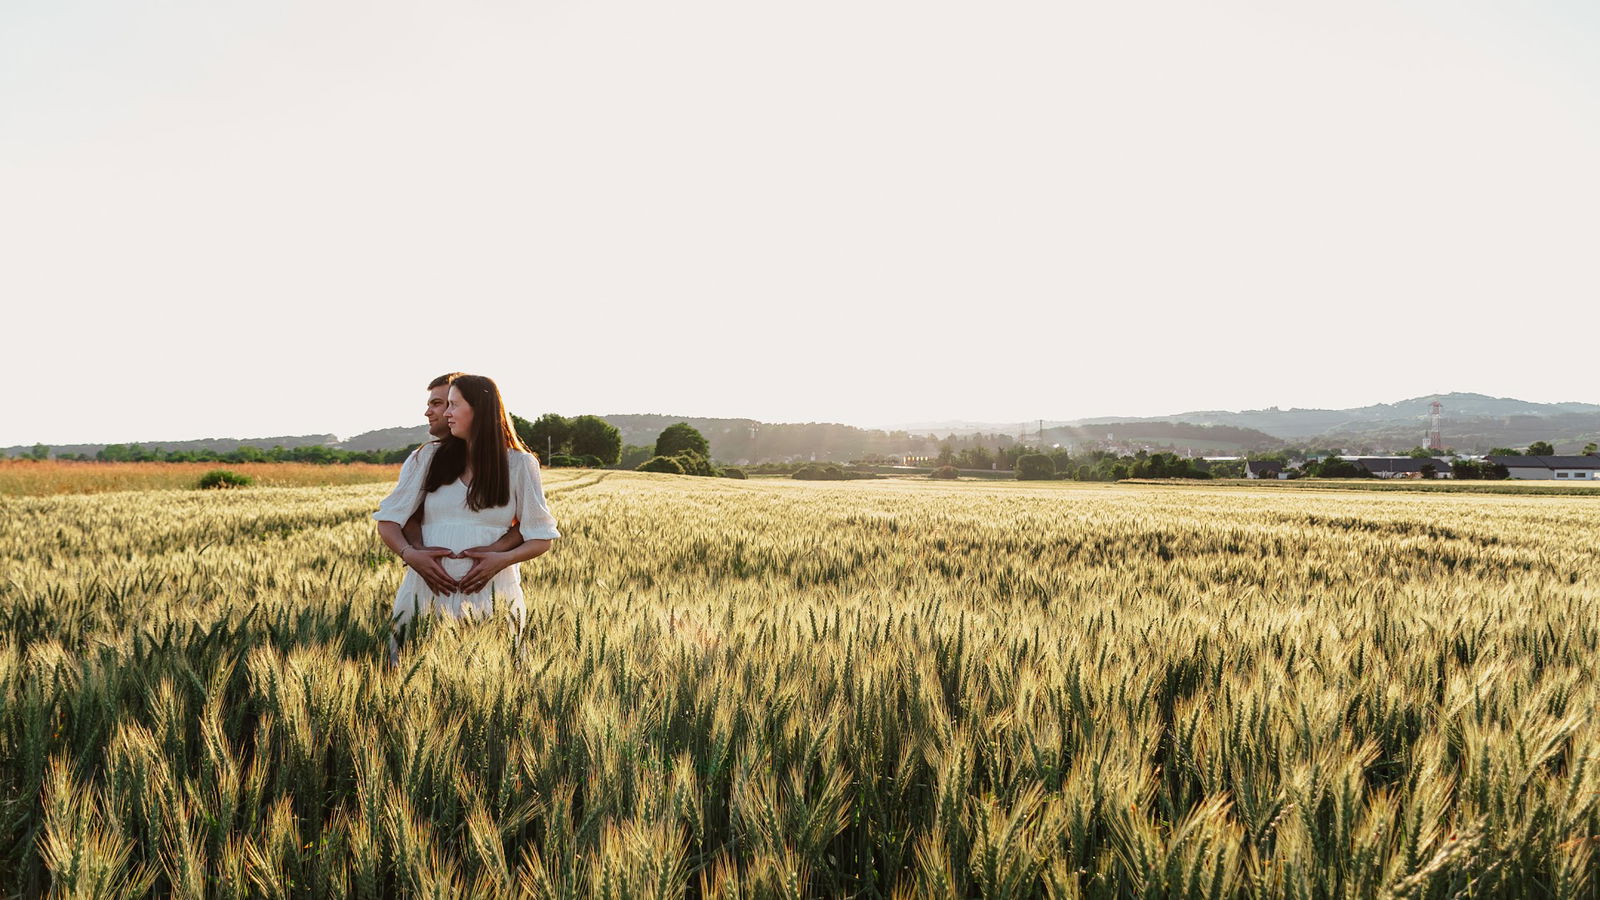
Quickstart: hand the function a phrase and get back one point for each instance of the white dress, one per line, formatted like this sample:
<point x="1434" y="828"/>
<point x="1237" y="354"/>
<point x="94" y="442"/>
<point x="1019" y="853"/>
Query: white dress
<point x="448" y="522"/>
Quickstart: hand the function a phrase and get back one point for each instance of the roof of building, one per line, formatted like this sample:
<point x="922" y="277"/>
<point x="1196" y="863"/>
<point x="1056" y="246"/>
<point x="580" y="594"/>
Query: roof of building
<point x="1546" y="462"/>
<point x="1265" y="465"/>
<point x="1399" y="465"/>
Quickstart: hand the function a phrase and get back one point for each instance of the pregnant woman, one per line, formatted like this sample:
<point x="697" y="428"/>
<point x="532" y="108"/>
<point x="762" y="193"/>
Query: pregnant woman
<point x="472" y="487"/>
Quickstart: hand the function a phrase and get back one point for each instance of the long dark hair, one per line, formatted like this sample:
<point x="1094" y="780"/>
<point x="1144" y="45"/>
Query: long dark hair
<point x="492" y="436"/>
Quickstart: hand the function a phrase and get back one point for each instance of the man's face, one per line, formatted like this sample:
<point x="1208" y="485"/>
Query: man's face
<point x="438" y="399"/>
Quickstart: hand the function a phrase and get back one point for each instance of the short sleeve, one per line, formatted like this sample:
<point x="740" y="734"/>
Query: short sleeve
<point x="407" y="493"/>
<point x="533" y="514"/>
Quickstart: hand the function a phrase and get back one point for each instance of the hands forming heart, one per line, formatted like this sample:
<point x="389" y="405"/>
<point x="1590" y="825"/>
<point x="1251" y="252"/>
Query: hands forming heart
<point x="486" y="564"/>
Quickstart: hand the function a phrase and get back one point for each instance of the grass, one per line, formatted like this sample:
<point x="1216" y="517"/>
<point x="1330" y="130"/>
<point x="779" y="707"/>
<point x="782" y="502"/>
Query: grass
<point x="773" y="688"/>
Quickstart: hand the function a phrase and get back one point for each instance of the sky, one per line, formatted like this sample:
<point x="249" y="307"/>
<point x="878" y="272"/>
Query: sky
<point x="226" y="218"/>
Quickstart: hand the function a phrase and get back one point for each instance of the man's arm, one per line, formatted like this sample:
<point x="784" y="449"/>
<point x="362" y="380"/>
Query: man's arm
<point x="511" y="540"/>
<point x="413" y="529"/>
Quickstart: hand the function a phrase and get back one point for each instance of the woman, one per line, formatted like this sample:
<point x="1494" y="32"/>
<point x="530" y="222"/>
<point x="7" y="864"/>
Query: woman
<point x="472" y="486"/>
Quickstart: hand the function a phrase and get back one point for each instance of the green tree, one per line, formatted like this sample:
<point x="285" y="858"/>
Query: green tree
<point x="975" y="458"/>
<point x="633" y="455"/>
<point x="546" y="436"/>
<point x="594" y="436"/>
<point x="39" y="451"/>
<point x="1541" y="448"/>
<point x="675" y="439"/>
<point x="1503" y="451"/>
<point x="1035" y="467"/>
<point x="1591" y="448"/>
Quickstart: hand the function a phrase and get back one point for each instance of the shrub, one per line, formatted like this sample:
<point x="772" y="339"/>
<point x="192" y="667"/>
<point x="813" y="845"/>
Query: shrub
<point x="818" y="472"/>
<point x="667" y="464"/>
<point x="222" y="478"/>
<point x="732" y="472"/>
<point x="563" y="461"/>
<point x="1035" y="467"/>
<point x="946" y="472"/>
<point x="694" y="463"/>
<point x="591" y="462"/>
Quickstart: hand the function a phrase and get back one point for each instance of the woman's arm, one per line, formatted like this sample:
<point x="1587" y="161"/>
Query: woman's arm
<point x="400" y="509"/>
<point x="425" y="561"/>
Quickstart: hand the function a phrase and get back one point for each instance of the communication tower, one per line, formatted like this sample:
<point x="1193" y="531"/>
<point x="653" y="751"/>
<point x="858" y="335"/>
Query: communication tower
<point x="1435" y="440"/>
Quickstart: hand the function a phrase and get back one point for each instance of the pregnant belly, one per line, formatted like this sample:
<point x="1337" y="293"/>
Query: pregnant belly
<point x="457" y="568"/>
<point x="459" y="536"/>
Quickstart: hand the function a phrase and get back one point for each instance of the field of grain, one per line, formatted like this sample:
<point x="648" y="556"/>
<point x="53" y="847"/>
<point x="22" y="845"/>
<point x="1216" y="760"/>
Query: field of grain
<point x="31" y="478"/>
<point x="786" y="689"/>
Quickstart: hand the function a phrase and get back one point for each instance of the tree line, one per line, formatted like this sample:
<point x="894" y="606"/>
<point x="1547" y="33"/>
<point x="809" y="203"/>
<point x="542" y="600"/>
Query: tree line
<point x="316" y="453"/>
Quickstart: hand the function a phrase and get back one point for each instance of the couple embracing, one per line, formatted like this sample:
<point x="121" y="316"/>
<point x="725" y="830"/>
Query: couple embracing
<point x="468" y="507"/>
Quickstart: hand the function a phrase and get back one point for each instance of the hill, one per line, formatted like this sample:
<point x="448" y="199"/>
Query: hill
<point x="1472" y="423"/>
<point x="1187" y="437"/>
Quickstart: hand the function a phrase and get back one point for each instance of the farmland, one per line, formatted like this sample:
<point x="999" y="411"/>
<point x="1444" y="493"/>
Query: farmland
<point x="774" y="688"/>
<point x="27" y="477"/>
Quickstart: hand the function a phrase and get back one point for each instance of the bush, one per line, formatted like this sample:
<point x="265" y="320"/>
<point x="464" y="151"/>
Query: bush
<point x="1035" y="467"/>
<point x="222" y="478"/>
<point x="667" y="464"/>
<point x="591" y="462"/>
<point x="946" y="472"/>
<point x="731" y="472"/>
<point x="694" y="463"/>
<point x="818" y="472"/>
<point x="563" y="461"/>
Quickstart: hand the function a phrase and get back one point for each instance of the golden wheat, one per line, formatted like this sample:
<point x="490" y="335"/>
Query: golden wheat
<point x="27" y="477"/>
<point x="761" y="689"/>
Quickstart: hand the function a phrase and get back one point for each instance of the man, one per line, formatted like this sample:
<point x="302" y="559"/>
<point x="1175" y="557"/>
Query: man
<point x="407" y="541"/>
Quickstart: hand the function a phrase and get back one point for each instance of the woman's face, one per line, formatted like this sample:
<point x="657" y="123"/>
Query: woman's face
<point x="458" y="415"/>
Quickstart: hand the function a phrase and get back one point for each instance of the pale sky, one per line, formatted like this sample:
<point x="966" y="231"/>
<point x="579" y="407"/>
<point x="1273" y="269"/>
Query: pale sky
<point x="224" y="218"/>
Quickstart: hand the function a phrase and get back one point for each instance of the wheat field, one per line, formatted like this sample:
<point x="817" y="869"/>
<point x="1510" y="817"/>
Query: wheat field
<point x="29" y="477"/>
<point x="786" y="689"/>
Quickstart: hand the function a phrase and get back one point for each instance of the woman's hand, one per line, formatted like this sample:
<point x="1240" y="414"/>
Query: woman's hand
<point x="425" y="562"/>
<point x="486" y="564"/>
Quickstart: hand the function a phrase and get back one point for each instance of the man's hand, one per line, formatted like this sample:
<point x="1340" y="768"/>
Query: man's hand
<point x="486" y="564"/>
<point x="425" y="562"/>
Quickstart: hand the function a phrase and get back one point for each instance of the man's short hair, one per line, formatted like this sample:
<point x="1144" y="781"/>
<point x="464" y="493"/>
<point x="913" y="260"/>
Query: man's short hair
<point x="443" y="380"/>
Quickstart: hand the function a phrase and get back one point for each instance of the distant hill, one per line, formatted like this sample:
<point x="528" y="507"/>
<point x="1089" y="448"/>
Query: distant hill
<point x="386" y="439"/>
<point x="1198" y="439"/>
<point x="733" y="440"/>
<point x="1472" y="423"/>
